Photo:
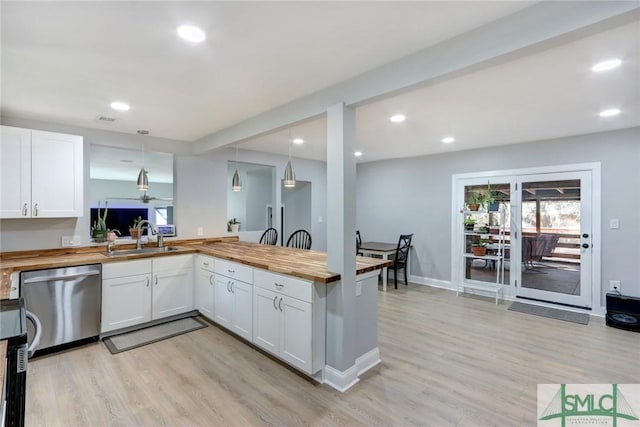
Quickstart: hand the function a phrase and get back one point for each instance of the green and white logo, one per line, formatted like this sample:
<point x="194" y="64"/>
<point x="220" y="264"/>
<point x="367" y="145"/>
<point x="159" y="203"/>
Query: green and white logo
<point x="588" y="404"/>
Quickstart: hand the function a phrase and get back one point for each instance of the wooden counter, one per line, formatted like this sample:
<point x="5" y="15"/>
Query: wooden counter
<point x="311" y="265"/>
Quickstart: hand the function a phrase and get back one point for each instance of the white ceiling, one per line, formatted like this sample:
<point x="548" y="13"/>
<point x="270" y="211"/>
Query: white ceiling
<point x="64" y="62"/>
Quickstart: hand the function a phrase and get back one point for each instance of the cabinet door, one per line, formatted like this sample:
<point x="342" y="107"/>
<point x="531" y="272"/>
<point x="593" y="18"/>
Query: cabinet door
<point x="296" y="333"/>
<point x="266" y="320"/>
<point x="126" y="301"/>
<point x="243" y="309"/>
<point x="223" y="301"/>
<point x="15" y="173"/>
<point x="172" y="292"/>
<point x="56" y="175"/>
<point x="205" y="291"/>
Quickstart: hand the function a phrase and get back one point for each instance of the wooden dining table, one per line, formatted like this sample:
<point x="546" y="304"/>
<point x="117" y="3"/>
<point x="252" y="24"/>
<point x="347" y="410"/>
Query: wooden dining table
<point x="384" y="251"/>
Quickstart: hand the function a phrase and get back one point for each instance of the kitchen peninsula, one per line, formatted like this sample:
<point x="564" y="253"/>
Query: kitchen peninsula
<point x="273" y="274"/>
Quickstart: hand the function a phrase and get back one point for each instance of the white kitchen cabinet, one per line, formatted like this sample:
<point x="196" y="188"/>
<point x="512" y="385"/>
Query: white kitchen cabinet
<point x="233" y="302"/>
<point x="41" y="175"/>
<point x="138" y="291"/>
<point x="172" y="286"/>
<point x="288" y="319"/>
<point x="126" y="294"/>
<point x="205" y="285"/>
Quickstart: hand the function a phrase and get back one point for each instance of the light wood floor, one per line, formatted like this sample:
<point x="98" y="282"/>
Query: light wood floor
<point x="447" y="361"/>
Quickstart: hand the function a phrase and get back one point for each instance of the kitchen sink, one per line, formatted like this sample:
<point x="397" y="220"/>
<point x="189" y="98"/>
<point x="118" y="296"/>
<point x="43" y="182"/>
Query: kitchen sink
<point x="126" y="252"/>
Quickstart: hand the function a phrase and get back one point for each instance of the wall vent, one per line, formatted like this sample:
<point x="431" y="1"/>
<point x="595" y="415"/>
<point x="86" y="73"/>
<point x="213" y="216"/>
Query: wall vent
<point x="106" y="119"/>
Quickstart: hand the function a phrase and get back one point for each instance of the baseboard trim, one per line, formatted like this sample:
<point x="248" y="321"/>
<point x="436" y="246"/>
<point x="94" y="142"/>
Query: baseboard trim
<point x="341" y="380"/>
<point x="434" y="283"/>
<point x="368" y="360"/>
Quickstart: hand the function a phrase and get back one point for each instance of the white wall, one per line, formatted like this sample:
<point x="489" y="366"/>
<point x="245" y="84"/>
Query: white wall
<point x="414" y="196"/>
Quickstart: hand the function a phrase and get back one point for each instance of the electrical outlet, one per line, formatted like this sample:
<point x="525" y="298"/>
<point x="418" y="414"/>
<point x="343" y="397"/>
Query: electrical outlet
<point x="70" y="241"/>
<point x="614" y="285"/>
<point x="200" y="231"/>
<point x="358" y="289"/>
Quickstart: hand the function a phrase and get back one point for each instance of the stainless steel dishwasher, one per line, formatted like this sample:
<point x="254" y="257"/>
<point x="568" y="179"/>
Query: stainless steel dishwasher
<point x="66" y="301"/>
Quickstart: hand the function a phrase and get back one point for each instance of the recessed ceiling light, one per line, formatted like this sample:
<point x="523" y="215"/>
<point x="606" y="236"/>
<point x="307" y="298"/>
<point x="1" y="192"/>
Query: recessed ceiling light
<point x="298" y="141"/>
<point x="610" y="112"/>
<point x="448" y="139"/>
<point x="607" y="65"/>
<point x="398" y="118"/>
<point x="357" y="153"/>
<point x="120" y="106"/>
<point x="191" y="34"/>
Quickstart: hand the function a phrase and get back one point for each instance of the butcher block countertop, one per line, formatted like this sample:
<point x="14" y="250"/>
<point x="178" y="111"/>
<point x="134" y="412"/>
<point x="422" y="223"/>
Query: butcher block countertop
<point x="310" y="265"/>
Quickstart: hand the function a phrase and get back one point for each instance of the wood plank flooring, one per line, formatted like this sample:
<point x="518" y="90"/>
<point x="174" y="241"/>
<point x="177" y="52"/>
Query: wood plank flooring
<point x="447" y="361"/>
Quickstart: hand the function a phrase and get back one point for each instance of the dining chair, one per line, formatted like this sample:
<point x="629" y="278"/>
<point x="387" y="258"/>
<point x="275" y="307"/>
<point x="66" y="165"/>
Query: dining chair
<point x="269" y="237"/>
<point x="358" y="242"/>
<point x="401" y="258"/>
<point x="300" y="239"/>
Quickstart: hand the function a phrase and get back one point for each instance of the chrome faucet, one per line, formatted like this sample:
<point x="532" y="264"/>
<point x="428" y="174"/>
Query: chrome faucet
<point x="140" y="224"/>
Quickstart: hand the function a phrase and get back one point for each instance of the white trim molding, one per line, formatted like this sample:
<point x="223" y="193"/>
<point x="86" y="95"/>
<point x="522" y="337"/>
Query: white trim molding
<point x="341" y="380"/>
<point x="368" y="360"/>
<point x="434" y="283"/>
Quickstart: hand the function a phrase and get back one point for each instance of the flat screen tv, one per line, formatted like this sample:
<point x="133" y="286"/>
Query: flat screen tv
<point x="120" y="218"/>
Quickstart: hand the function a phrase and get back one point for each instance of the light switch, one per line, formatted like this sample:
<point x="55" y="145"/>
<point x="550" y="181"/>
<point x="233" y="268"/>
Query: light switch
<point x="614" y="223"/>
<point x="200" y="231"/>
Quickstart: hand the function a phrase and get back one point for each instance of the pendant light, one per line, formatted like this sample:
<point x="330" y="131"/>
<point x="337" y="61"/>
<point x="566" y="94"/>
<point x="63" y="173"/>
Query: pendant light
<point x="143" y="181"/>
<point x="236" y="185"/>
<point x="289" y="176"/>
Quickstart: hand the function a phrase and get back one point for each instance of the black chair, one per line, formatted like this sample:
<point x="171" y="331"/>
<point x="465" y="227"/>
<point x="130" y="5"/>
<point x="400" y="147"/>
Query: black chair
<point x="358" y="243"/>
<point x="402" y="256"/>
<point x="269" y="237"/>
<point x="300" y="239"/>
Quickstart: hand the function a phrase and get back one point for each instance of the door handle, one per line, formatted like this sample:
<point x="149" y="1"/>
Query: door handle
<point x="585" y="235"/>
<point x="24" y="210"/>
<point x="147" y="281"/>
<point x="274" y="302"/>
<point x="156" y="280"/>
<point x="35" y="210"/>
<point x="585" y="245"/>
<point x="228" y="289"/>
<point x="211" y="280"/>
<point x="280" y="304"/>
<point x="232" y="291"/>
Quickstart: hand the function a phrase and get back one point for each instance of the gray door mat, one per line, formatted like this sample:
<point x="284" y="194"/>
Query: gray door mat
<point x="552" y="313"/>
<point x="119" y="343"/>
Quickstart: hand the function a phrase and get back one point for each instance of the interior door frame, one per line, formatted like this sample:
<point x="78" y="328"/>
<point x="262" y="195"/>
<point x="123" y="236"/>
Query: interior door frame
<point x="457" y="203"/>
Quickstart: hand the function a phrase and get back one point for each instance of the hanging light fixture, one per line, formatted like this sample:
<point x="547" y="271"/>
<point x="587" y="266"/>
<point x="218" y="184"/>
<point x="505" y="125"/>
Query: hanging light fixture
<point x="289" y="180"/>
<point x="236" y="185"/>
<point x="143" y="181"/>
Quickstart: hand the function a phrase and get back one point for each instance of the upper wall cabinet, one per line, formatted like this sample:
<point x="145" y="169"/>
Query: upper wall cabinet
<point x="41" y="175"/>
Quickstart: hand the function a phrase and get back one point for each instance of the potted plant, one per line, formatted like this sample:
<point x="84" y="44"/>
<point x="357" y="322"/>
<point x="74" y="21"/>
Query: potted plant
<point x="469" y="223"/>
<point x="489" y="200"/>
<point x="483" y="229"/>
<point x="233" y="225"/>
<point x="133" y="230"/>
<point x="478" y="248"/>
<point x="99" y="229"/>
<point x="475" y="199"/>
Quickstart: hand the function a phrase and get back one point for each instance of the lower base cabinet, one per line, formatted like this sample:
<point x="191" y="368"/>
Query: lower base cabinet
<point x="282" y="326"/>
<point x="135" y="292"/>
<point x="234" y="305"/>
<point x="289" y="319"/>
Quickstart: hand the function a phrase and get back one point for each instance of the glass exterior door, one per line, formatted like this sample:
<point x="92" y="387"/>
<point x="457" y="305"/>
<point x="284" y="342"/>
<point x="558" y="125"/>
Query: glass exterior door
<point x="554" y="237"/>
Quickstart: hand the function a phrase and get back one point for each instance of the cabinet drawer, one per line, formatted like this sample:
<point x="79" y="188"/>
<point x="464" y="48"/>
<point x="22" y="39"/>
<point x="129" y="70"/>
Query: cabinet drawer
<point x="126" y="268"/>
<point x="234" y="270"/>
<point x="204" y="262"/>
<point x="287" y="285"/>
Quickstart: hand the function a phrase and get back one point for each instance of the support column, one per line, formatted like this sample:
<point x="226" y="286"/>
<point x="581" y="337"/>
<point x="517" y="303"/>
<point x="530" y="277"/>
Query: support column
<point x="341" y="245"/>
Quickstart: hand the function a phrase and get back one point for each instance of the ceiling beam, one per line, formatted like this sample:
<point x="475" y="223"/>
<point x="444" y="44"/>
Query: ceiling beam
<point x="529" y="30"/>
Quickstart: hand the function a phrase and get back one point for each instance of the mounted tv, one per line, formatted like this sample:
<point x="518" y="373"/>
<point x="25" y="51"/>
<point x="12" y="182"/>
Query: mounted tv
<point x="120" y="218"/>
